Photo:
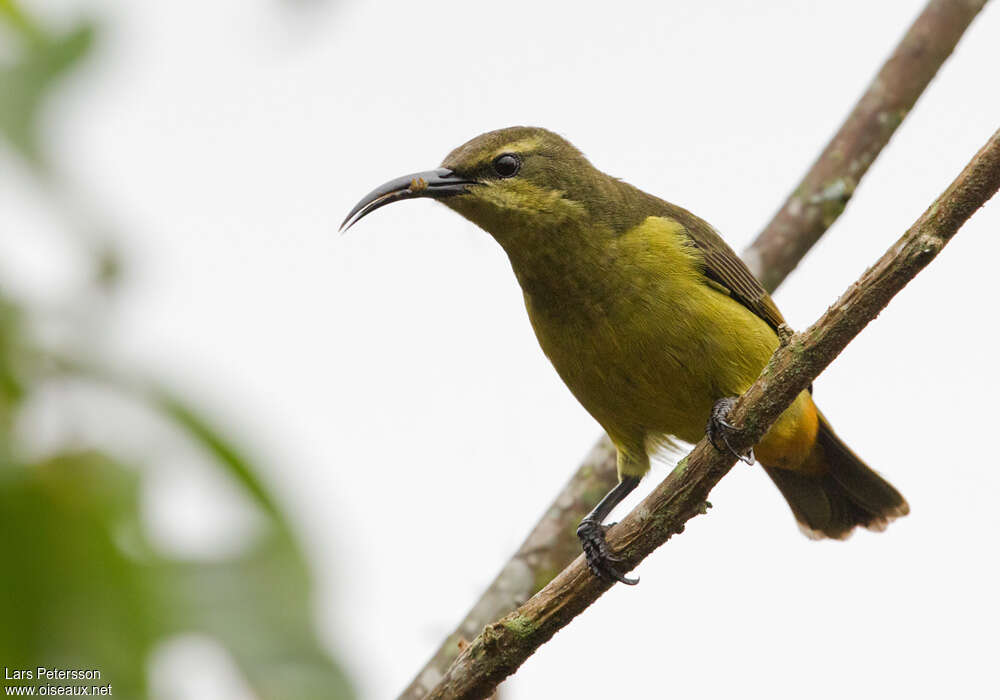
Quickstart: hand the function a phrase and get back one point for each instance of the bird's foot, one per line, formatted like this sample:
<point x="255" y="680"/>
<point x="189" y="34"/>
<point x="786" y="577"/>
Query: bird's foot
<point x="601" y="560"/>
<point x="719" y="428"/>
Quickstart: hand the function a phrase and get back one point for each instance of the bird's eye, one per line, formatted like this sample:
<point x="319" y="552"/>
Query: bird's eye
<point x="507" y="165"/>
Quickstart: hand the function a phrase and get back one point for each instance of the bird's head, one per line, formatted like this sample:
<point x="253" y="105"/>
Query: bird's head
<point x="514" y="183"/>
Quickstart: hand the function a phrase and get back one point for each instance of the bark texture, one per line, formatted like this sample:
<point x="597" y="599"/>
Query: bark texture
<point x="825" y="190"/>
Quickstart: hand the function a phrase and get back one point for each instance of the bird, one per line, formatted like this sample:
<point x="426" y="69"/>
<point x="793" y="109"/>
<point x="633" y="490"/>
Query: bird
<point x="650" y="319"/>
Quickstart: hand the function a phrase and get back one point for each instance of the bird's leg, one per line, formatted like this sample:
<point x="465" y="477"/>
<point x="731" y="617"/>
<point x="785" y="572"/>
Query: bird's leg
<point x="591" y="532"/>
<point x="719" y="428"/>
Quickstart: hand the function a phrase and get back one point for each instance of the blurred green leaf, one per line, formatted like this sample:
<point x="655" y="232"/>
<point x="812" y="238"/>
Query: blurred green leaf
<point x="226" y="454"/>
<point x="72" y="596"/>
<point x="22" y="23"/>
<point x="11" y="352"/>
<point x="83" y="588"/>
<point x="81" y="584"/>
<point x="25" y="83"/>
<point x="258" y="606"/>
<point x="275" y="647"/>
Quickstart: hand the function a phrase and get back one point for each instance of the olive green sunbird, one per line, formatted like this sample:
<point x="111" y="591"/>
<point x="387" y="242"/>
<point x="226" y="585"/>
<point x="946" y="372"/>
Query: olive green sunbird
<point x="651" y="320"/>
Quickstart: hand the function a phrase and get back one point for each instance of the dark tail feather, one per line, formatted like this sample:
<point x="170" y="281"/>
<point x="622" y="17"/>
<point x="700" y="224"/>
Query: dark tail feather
<point x="847" y="494"/>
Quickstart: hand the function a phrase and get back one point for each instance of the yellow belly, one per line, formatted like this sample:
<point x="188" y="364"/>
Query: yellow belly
<point x="649" y="352"/>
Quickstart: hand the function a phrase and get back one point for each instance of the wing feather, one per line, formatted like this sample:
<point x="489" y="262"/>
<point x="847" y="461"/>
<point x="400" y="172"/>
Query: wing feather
<point x="725" y="268"/>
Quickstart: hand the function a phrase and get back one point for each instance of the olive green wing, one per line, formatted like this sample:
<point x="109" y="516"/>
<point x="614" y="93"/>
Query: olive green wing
<point x="726" y="269"/>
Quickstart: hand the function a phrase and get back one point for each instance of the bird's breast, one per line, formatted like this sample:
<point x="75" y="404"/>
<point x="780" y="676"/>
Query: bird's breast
<point x="640" y="338"/>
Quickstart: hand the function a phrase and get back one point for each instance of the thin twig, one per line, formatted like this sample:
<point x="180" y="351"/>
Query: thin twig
<point x="552" y="545"/>
<point x="504" y="645"/>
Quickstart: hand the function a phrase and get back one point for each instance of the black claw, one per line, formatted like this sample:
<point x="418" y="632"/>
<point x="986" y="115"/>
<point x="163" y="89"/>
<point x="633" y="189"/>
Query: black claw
<point x="600" y="559"/>
<point x="719" y="428"/>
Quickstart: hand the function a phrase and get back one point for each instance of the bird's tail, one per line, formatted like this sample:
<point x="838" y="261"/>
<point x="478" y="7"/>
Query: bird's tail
<point x="839" y="492"/>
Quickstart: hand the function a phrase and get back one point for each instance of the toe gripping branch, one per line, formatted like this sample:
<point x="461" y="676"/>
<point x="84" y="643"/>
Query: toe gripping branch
<point x="719" y="428"/>
<point x="602" y="561"/>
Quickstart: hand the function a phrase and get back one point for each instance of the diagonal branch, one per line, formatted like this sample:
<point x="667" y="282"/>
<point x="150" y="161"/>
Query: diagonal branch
<point x="809" y="212"/>
<point x="825" y="190"/>
<point x="504" y="645"/>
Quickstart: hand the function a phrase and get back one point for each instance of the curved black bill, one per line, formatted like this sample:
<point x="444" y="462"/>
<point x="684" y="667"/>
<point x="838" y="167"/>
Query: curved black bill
<point x="432" y="183"/>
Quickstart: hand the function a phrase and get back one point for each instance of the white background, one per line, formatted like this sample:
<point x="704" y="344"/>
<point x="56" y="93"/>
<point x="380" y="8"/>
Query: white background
<point x="391" y="385"/>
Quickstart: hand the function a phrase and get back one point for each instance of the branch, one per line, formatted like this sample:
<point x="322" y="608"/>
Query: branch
<point x="552" y="544"/>
<point x="504" y="645"/>
<point x="825" y="190"/>
<point x="548" y="549"/>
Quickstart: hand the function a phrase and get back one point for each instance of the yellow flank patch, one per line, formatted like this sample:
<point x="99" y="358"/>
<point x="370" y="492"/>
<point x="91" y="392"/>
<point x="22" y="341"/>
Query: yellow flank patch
<point x="658" y="246"/>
